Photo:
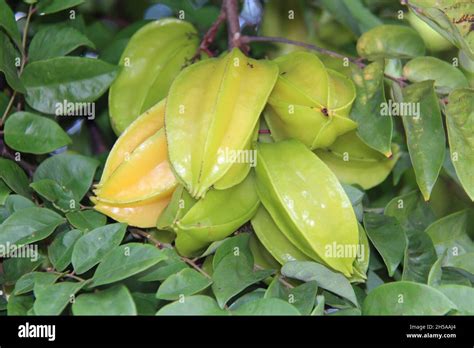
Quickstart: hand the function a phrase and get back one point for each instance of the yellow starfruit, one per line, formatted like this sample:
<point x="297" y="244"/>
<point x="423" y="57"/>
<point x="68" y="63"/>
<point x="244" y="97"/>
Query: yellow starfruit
<point x="212" y="109"/>
<point x="309" y="102"/>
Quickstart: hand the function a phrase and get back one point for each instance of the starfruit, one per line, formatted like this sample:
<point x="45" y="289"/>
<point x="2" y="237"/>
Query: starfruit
<point x="354" y="162"/>
<point x="307" y="203"/>
<point x="274" y="240"/>
<point x="212" y="109"/>
<point x="137" y="181"/>
<point x="197" y="223"/>
<point x="154" y="56"/>
<point x="309" y="102"/>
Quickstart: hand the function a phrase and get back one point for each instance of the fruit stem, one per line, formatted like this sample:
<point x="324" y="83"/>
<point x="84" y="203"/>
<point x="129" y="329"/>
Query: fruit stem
<point x="231" y="9"/>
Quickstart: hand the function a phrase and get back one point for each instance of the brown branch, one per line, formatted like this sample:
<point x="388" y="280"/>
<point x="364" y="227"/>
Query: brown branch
<point x="231" y="8"/>
<point x="211" y="34"/>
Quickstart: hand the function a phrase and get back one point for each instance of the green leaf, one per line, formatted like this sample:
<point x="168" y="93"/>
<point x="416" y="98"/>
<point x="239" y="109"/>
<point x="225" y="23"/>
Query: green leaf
<point x="56" y="41"/>
<point x="460" y="123"/>
<point x="8" y="23"/>
<point x="420" y="255"/>
<point x="52" y="299"/>
<point x="146" y="303"/>
<point x="302" y="297"/>
<point x="319" y="309"/>
<point x="29" y="225"/>
<point x="193" y="305"/>
<point x="50" y="83"/>
<point x="463" y="263"/>
<point x="9" y="56"/>
<point x="311" y="271"/>
<point x="406" y="298"/>
<point x="4" y="192"/>
<point x="14" y="177"/>
<point x="173" y="264"/>
<point x="43" y="280"/>
<point x="86" y="220"/>
<point x="16" y="202"/>
<point x="30" y="133"/>
<point x="19" y="305"/>
<point x="388" y="237"/>
<point x="446" y="77"/>
<point x="60" y="250"/>
<point x="52" y="6"/>
<point x="186" y="282"/>
<point x="266" y="306"/>
<point x="126" y="260"/>
<point x="74" y="172"/>
<point x="254" y="295"/>
<point x="373" y="128"/>
<point x="425" y="134"/>
<point x="461" y="296"/>
<point x="232" y="275"/>
<point x="116" y="300"/>
<point x="230" y="246"/>
<point x="61" y="197"/>
<point x="411" y="211"/>
<point x="390" y="41"/>
<point x="453" y="232"/>
<point x="450" y="18"/>
<point x="91" y="248"/>
<point x="353" y="14"/>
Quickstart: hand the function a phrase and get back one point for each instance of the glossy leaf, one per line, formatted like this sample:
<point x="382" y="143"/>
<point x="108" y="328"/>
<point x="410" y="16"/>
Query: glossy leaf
<point x="193" y="305"/>
<point x="19" y="305"/>
<point x="49" y="83"/>
<point x="461" y="296"/>
<point x="8" y="23"/>
<point x="29" y="225"/>
<point x="315" y="218"/>
<point x="8" y="57"/>
<point x="74" y="172"/>
<point x="86" y="220"/>
<point x="420" y="255"/>
<point x="388" y="237"/>
<point x="126" y="260"/>
<point x="446" y="77"/>
<point x="60" y="250"/>
<point x="311" y="271"/>
<point x="354" y="162"/>
<point x="56" y="41"/>
<point x="61" y="198"/>
<point x="186" y="282"/>
<point x="302" y="297"/>
<point x="460" y="123"/>
<point x="52" y="6"/>
<point x="406" y="298"/>
<point x="226" y="127"/>
<point x="116" y="300"/>
<point x="167" y="268"/>
<point x="232" y="275"/>
<point x="266" y="306"/>
<point x="425" y="134"/>
<point x="53" y="299"/>
<point x="152" y="59"/>
<point x="390" y="41"/>
<point x="411" y="211"/>
<point x="14" y="177"/>
<point x="92" y="248"/>
<point x="453" y="232"/>
<point x="373" y="128"/>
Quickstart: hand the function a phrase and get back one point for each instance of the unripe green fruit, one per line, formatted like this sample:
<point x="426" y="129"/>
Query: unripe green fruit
<point x="433" y="40"/>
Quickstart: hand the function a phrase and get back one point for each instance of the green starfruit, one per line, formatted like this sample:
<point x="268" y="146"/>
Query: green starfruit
<point x="307" y="203"/>
<point x="154" y="56"/>
<point x="309" y="102"/>
<point x="212" y="110"/>
<point x="354" y="162"/>
<point x="198" y="223"/>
